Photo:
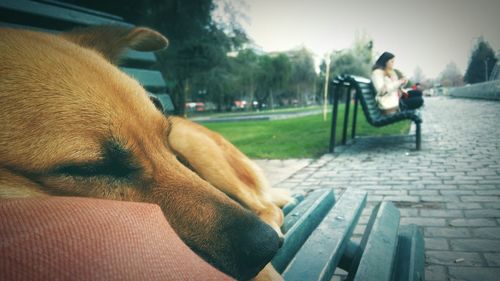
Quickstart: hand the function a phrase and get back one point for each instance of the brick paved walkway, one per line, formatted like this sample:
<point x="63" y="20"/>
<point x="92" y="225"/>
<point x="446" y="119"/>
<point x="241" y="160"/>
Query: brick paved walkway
<point x="451" y="187"/>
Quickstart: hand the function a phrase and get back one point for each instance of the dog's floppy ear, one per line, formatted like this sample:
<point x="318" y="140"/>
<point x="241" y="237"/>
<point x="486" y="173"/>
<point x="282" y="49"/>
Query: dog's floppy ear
<point x="112" y="40"/>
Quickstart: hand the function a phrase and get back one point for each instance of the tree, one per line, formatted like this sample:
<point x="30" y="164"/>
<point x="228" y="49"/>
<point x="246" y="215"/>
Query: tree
<point x="274" y="73"/>
<point x="451" y="76"/>
<point x="247" y="70"/>
<point x="355" y="61"/>
<point x="198" y="44"/>
<point x="418" y="75"/>
<point x="227" y="16"/>
<point x="481" y="62"/>
<point x="215" y="85"/>
<point x="303" y="74"/>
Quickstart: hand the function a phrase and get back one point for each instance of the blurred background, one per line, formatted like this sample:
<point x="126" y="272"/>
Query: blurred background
<point x="247" y="55"/>
<point x="256" y="71"/>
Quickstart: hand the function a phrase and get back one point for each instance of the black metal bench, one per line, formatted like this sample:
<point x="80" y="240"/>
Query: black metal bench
<point x="317" y="229"/>
<point x="54" y="16"/>
<point x="365" y="93"/>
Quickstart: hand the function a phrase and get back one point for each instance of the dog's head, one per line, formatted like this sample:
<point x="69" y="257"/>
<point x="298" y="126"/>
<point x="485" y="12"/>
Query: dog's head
<point x="73" y="124"/>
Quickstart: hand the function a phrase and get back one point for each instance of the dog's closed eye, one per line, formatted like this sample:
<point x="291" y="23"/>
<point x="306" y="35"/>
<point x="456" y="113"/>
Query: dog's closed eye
<point x="118" y="170"/>
<point x="117" y="162"/>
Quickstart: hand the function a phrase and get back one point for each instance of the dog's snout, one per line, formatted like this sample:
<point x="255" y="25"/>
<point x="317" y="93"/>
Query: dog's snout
<point x="258" y="247"/>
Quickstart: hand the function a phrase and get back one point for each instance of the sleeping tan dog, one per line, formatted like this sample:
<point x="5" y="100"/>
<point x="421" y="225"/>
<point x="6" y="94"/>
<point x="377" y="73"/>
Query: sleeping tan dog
<point x="73" y="124"/>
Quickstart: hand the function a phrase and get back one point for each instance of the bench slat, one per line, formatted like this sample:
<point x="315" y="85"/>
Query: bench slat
<point x="149" y="79"/>
<point x="300" y="210"/>
<point x="49" y="15"/>
<point x="166" y="101"/>
<point x="410" y="260"/>
<point x="290" y="206"/>
<point x="379" y="241"/>
<point x="320" y="254"/>
<point x="133" y="58"/>
<point x="32" y="28"/>
<point x="83" y="9"/>
<point x="310" y="213"/>
<point x="130" y="58"/>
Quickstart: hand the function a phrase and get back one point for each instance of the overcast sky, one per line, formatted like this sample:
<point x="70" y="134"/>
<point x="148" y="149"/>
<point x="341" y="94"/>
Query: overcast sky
<point x="423" y="33"/>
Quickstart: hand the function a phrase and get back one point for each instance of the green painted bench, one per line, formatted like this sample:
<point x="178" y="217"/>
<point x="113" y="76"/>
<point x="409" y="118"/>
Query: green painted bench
<point x="54" y="16"/>
<point x="318" y="240"/>
<point x="364" y="92"/>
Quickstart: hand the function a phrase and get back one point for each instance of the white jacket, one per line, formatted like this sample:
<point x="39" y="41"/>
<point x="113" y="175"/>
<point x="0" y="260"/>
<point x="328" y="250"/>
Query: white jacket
<point x="387" y="89"/>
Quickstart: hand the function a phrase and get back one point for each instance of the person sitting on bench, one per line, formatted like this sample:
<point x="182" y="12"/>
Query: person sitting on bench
<point x="388" y="87"/>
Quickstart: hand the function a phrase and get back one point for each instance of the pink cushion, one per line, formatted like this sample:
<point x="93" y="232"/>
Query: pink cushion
<point x="66" y="238"/>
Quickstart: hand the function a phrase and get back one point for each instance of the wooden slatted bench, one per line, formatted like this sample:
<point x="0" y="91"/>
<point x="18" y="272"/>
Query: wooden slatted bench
<point x="318" y="240"/>
<point x="365" y="93"/>
<point x="54" y="17"/>
<point x="318" y="230"/>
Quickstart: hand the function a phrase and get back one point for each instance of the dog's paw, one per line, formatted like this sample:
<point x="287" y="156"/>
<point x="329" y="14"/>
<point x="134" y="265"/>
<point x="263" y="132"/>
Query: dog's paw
<point x="280" y="197"/>
<point x="268" y="273"/>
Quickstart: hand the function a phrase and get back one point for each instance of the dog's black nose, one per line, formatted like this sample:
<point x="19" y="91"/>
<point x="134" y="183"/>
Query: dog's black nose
<point x="259" y="245"/>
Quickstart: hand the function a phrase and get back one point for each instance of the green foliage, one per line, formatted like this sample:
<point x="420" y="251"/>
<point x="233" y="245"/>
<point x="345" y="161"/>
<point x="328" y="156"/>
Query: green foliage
<point x="355" y="61"/>
<point x="198" y="44"/>
<point x="481" y="62"/>
<point x="266" y="78"/>
<point x="418" y="75"/>
<point x="208" y="58"/>
<point x="272" y="73"/>
<point x="451" y="76"/>
<point x="247" y="71"/>
<point x="303" y="66"/>
<point x="303" y="76"/>
<point x="348" y="62"/>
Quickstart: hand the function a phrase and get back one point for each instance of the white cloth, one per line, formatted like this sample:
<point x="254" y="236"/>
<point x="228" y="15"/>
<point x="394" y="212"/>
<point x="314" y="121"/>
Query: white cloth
<point x="387" y="89"/>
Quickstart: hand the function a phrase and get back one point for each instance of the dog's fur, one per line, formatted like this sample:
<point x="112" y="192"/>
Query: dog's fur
<point x="72" y="124"/>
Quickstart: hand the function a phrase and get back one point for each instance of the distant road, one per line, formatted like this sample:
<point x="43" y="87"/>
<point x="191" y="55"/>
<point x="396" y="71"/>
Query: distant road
<point x="256" y="117"/>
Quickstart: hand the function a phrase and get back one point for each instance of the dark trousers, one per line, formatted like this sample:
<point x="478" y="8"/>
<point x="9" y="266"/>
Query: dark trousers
<point x="413" y="101"/>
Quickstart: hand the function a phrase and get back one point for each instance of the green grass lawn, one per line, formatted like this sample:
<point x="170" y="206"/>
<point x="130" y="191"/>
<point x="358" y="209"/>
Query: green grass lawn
<point x="303" y="137"/>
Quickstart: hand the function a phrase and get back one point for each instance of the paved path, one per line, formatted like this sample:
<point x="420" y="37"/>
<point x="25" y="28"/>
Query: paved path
<point x="279" y="170"/>
<point x="451" y="187"/>
<point x="256" y="117"/>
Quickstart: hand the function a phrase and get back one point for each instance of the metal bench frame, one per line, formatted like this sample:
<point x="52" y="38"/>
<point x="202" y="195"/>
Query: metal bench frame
<point x="364" y="92"/>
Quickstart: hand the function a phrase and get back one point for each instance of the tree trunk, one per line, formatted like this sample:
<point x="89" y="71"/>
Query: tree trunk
<point x="179" y="99"/>
<point x="251" y="94"/>
<point x="272" y="100"/>
<point x="184" y="96"/>
<point x="297" y="94"/>
<point x="220" y="102"/>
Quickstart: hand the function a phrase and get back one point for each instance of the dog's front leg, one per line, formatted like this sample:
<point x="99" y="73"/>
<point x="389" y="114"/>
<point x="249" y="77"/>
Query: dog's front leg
<point x="268" y="274"/>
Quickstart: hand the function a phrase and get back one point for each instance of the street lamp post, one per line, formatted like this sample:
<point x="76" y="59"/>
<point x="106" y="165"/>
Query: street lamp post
<point x="325" y="95"/>
<point x="486" y="68"/>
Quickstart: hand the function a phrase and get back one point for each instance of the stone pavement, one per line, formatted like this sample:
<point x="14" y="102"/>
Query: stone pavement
<point x="277" y="171"/>
<point x="451" y="187"/>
